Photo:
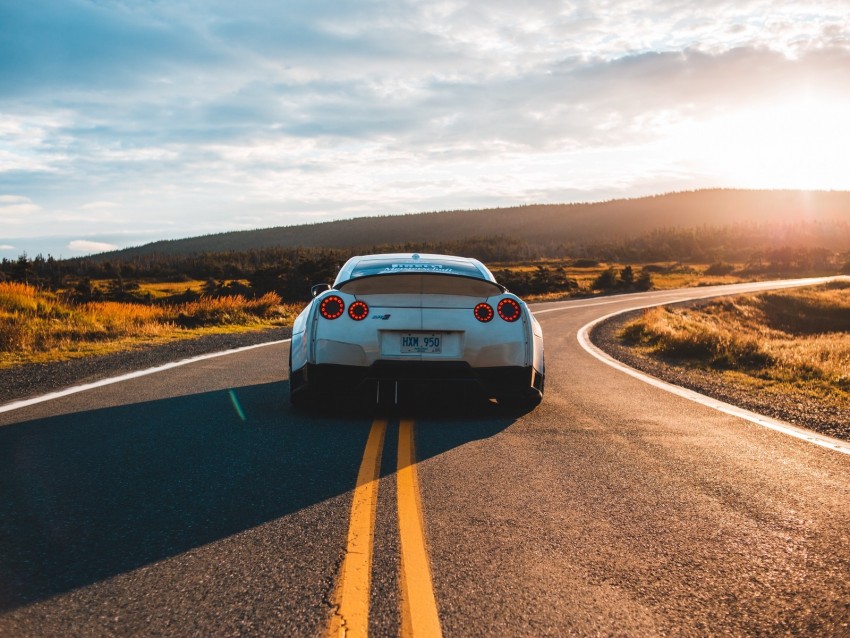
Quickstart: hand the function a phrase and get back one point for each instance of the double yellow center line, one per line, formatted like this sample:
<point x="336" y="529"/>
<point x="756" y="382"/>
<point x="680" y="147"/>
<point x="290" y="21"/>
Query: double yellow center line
<point x="419" y="606"/>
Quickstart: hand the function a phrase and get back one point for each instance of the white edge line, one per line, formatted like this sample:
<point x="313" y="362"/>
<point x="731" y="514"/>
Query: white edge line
<point x="828" y="442"/>
<point x="17" y="405"/>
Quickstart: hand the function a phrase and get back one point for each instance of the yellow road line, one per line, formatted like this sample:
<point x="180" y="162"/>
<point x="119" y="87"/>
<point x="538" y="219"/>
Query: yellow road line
<point x="419" y="607"/>
<point x="351" y="618"/>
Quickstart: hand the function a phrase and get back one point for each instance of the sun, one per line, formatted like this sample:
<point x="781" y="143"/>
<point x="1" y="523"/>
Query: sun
<point x="794" y="143"/>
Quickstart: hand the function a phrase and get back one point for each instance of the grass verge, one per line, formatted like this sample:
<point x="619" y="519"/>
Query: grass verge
<point x="794" y="344"/>
<point x="39" y="326"/>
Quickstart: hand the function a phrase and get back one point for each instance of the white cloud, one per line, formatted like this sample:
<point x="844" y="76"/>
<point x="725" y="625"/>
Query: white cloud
<point x="14" y="209"/>
<point x="7" y="247"/>
<point x="99" y="206"/>
<point x="265" y="113"/>
<point x="88" y="247"/>
<point x="13" y="200"/>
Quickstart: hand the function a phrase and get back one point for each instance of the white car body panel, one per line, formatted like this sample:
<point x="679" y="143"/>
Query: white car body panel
<point x="423" y="308"/>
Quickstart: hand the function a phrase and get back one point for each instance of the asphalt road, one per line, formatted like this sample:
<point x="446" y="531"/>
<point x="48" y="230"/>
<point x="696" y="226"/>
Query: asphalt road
<point x="195" y="502"/>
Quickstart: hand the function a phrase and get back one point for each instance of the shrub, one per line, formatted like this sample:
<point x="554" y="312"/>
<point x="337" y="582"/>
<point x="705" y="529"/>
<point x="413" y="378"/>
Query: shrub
<point x="644" y="281"/>
<point x="585" y="263"/>
<point x="720" y="269"/>
<point x="606" y="280"/>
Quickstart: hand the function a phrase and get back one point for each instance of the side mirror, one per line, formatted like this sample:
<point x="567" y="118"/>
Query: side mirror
<point x="318" y="289"/>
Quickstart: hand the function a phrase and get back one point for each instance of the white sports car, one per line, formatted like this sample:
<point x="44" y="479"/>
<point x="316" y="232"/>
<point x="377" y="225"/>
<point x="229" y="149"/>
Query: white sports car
<point x="393" y="324"/>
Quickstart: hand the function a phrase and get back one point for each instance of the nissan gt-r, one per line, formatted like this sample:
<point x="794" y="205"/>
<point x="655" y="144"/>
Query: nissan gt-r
<point x="396" y="324"/>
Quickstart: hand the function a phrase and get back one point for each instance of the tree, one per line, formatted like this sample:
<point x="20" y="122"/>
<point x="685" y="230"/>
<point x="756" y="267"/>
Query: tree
<point x="719" y="269"/>
<point x="85" y="291"/>
<point x="22" y="271"/>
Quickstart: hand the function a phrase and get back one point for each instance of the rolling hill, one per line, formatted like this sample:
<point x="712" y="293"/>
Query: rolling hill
<point x="824" y="214"/>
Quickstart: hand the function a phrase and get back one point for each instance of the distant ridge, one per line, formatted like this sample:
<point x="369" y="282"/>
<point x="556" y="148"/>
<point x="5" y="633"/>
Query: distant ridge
<point x="540" y="224"/>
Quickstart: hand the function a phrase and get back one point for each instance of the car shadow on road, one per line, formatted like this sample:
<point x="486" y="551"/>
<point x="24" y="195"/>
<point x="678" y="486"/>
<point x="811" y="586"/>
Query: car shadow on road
<point x="94" y="494"/>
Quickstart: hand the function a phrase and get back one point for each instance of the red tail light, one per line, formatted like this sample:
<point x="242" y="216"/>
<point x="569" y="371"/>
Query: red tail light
<point x="358" y="310"/>
<point x="332" y="307"/>
<point x="483" y="312"/>
<point x="509" y="310"/>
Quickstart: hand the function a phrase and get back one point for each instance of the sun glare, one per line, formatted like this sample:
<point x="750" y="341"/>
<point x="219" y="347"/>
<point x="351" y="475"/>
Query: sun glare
<point x="799" y="144"/>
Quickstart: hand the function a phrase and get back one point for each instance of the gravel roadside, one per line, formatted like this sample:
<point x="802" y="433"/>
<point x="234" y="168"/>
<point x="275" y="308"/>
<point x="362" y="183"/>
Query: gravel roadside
<point x="799" y="410"/>
<point x="26" y="381"/>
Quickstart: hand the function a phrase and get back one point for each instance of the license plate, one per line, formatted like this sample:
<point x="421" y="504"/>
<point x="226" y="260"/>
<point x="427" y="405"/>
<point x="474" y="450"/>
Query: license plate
<point x="421" y="343"/>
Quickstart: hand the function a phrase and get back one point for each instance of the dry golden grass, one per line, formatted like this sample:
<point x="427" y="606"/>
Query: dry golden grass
<point x="795" y="339"/>
<point x="42" y="326"/>
<point x="665" y="275"/>
<point x="160" y="289"/>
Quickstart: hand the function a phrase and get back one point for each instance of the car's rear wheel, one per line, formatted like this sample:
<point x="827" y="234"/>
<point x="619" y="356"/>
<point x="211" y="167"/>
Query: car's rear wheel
<point x="523" y="400"/>
<point x="520" y="401"/>
<point x="299" y="397"/>
<point x="302" y="399"/>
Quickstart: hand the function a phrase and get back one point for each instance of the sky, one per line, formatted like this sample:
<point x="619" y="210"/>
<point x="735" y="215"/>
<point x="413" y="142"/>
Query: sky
<point x="128" y="121"/>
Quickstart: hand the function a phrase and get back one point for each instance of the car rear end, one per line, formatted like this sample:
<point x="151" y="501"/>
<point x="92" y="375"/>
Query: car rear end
<point x="391" y="335"/>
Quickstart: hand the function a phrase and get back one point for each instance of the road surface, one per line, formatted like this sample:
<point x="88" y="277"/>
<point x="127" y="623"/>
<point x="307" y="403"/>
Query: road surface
<point x="195" y="502"/>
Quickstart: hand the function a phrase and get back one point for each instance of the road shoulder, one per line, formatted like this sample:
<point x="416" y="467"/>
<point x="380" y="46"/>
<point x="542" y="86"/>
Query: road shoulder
<point x="27" y="381"/>
<point x="824" y="419"/>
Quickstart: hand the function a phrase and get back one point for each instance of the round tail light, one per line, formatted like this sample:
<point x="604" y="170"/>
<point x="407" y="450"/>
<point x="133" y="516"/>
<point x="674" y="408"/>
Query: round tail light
<point x="332" y="307"/>
<point x="483" y="312"/>
<point x="509" y="310"/>
<point x="358" y="310"/>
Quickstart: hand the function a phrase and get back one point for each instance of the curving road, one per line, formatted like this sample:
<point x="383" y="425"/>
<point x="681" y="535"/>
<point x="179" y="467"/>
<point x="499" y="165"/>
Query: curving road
<point x="193" y="501"/>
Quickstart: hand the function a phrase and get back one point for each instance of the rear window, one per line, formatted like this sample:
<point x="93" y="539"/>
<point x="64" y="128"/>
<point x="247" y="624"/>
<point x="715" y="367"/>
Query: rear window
<point x="370" y="267"/>
<point x="426" y="284"/>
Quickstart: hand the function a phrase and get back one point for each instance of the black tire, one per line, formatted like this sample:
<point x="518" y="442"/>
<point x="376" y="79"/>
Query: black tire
<point x="302" y="399"/>
<point x="520" y="401"/>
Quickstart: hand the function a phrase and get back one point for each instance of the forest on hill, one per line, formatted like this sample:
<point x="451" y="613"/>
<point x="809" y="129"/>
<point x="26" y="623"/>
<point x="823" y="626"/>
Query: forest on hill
<point x="289" y="272"/>
<point x="552" y="229"/>
<point x="766" y="232"/>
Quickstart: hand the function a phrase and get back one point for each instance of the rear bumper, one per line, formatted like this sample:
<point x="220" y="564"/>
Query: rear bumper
<point x="331" y="379"/>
